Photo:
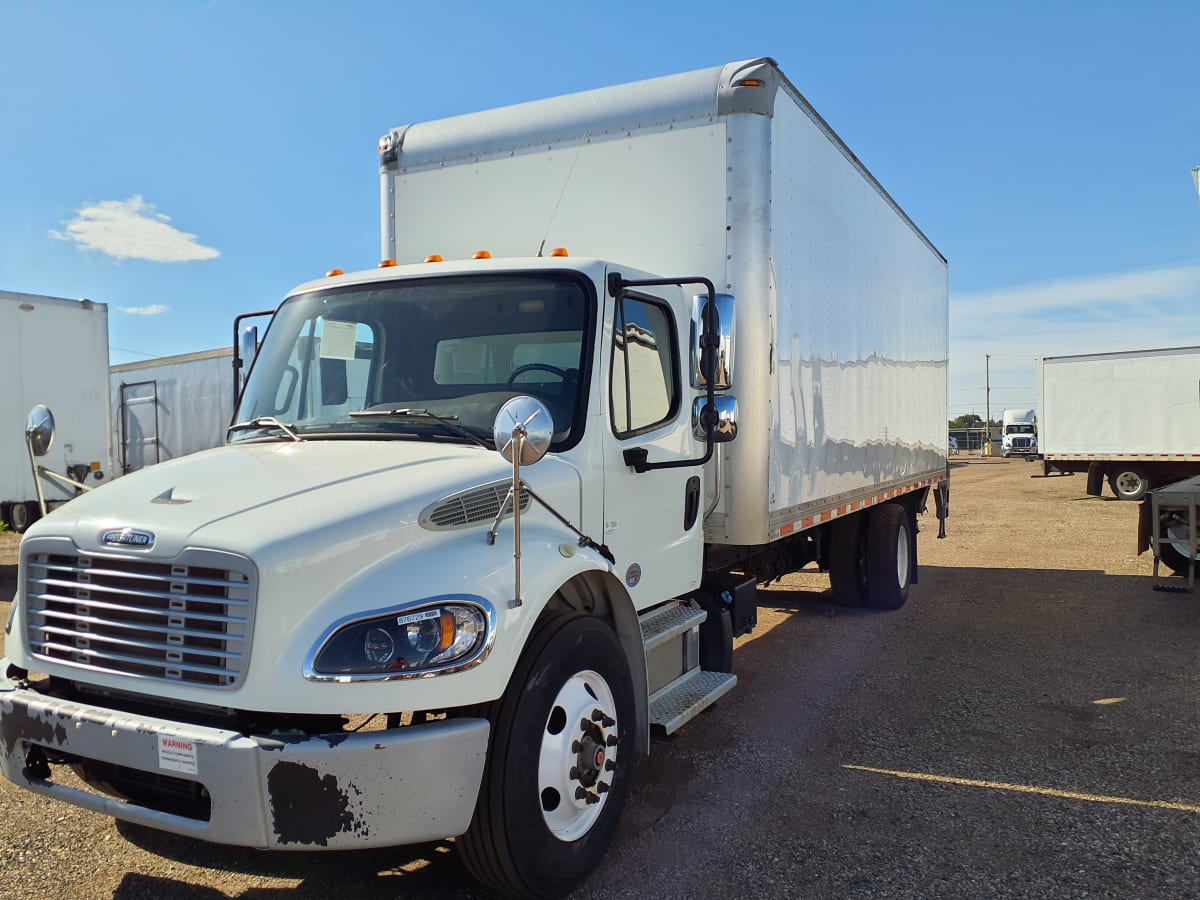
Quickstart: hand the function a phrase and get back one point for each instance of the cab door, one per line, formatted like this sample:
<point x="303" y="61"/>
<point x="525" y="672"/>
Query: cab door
<point x="651" y="519"/>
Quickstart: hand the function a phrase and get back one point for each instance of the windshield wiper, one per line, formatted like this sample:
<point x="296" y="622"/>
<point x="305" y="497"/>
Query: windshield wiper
<point x="449" y="423"/>
<point x="263" y="422"/>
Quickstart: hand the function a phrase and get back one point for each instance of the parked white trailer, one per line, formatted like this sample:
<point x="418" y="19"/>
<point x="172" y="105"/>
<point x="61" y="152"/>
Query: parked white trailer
<point x="56" y="355"/>
<point x="723" y="344"/>
<point x="169" y="407"/>
<point x="1132" y="418"/>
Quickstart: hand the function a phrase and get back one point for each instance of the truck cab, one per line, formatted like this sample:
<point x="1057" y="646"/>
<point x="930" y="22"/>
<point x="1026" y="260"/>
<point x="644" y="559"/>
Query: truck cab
<point x="1020" y="434"/>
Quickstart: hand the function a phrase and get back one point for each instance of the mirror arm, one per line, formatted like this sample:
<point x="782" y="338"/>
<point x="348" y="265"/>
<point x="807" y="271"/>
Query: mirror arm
<point x="237" y="353"/>
<point x="37" y="482"/>
<point x="709" y="341"/>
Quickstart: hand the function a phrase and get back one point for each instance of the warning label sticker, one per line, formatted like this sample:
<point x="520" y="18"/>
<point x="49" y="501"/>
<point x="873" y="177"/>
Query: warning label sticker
<point x="176" y="755"/>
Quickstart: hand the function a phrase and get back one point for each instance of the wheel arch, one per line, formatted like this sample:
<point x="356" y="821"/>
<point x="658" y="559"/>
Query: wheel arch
<point x="599" y="594"/>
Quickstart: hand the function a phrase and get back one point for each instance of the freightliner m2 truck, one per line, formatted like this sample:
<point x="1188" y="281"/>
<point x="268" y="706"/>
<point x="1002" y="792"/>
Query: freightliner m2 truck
<point x="492" y="513"/>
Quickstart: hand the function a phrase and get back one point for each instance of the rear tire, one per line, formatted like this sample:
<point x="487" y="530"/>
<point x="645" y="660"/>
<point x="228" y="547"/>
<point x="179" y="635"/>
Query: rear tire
<point x="1173" y="549"/>
<point x="1128" y="483"/>
<point x="847" y="566"/>
<point x="890" y="557"/>
<point x="532" y="834"/>
<point x="19" y="517"/>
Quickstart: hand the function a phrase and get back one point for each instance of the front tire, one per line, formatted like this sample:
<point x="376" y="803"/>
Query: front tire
<point x="890" y="557"/>
<point x="559" y="764"/>
<point x="1128" y="483"/>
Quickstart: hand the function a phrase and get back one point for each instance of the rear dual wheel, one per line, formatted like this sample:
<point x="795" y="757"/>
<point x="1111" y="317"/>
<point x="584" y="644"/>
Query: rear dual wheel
<point x="875" y="568"/>
<point x="559" y="762"/>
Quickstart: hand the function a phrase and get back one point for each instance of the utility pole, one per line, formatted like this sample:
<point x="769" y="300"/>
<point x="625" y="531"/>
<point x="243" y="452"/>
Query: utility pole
<point x="987" y="405"/>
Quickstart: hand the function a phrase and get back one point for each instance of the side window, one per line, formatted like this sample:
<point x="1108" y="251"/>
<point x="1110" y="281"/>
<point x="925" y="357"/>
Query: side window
<point x="644" y="390"/>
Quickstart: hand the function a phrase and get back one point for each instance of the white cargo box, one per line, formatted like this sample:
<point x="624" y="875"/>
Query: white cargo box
<point x="169" y="407"/>
<point x="56" y="354"/>
<point x="729" y="173"/>
<point x="1140" y="404"/>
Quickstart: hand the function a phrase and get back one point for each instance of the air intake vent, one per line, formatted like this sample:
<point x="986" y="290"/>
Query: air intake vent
<point x="472" y="507"/>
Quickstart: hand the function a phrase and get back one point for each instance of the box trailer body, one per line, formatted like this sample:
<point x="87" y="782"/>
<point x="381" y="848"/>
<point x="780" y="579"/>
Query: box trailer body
<point x="722" y="343"/>
<point x="57" y="355"/>
<point x="169" y="407"/>
<point x="1018" y="435"/>
<point x="841" y="318"/>
<point x="1131" y="418"/>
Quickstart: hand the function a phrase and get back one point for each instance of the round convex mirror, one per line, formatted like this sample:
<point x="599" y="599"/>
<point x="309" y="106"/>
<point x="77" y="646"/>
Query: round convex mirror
<point x="531" y="414"/>
<point x="39" y="430"/>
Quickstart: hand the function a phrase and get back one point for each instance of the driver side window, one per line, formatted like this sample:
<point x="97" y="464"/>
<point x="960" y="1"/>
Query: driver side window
<point x="644" y="390"/>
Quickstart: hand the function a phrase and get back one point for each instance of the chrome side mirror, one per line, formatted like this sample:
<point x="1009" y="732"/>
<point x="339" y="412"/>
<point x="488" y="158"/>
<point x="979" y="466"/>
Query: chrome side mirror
<point x="724" y="363"/>
<point x="725" y="412"/>
<point x="249" y="341"/>
<point x="525" y="421"/>
<point x="39" y="430"/>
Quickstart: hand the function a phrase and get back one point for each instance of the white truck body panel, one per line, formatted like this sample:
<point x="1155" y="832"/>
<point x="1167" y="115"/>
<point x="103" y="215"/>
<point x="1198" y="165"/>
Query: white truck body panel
<point x="56" y="354"/>
<point x="170" y="407"/>
<point x="842" y="335"/>
<point x="1137" y="404"/>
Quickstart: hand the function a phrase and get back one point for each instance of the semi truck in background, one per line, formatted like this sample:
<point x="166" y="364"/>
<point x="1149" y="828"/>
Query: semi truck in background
<point x="169" y="407"/>
<point x="1131" y="418"/>
<point x="56" y="355"/>
<point x="1019" y="435"/>
<point x="493" y="512"/>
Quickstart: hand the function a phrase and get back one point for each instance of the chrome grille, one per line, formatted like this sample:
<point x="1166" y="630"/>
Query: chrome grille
<point x="481" y="504"/>
<point x="1022" y="442"/>
<point x="187" y="619"/>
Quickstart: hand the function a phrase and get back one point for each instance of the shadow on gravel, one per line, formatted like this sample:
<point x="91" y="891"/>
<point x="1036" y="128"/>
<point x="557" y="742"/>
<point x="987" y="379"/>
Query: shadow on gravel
<point x="419" y="870"/>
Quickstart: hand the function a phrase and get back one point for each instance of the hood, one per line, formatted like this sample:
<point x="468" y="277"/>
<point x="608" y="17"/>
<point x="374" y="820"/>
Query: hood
<point x="246" y="496"/>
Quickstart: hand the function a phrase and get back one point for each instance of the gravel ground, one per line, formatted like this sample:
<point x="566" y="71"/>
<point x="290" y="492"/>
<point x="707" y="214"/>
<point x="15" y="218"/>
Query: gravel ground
<point x="1034" y="609"/>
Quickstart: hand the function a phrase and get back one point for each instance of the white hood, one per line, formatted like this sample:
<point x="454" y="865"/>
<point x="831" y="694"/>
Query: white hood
<point x="249" y="496"/>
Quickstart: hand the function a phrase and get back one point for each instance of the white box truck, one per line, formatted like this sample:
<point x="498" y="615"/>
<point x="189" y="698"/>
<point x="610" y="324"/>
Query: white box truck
<point x="56" y="354"/>
<point x="1131" y="418"/>
<point x="494" y="511"/>
<point x="169" y="407"/>
<point x="1019" y="435"/>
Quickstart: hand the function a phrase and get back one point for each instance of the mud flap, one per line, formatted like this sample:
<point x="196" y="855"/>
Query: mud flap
<point x="1144" y="526"/>
<point x="941" y="500"/>
<point x="1095" y="482"/>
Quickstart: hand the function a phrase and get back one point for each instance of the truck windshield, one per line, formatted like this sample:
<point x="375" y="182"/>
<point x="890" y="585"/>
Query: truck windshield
<point x="1020" y="429"/>
<point x="445" y="354"/>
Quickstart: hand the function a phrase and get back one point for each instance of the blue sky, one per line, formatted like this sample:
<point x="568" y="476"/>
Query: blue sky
<point x="187" y="161"/>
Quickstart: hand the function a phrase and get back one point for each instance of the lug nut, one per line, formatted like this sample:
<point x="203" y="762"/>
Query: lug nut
<point x="610" y="766"/>
<point x="598" y="715"/>
<point x="574" y="773"/>
<point x="580" y="794"/>
<point x="584" y="725"/>
<point x="602" y="787"/>
<point x="576" y="746"/>
<point x="612" y="740"/>
<point x="593" y="798"/>
<point x="608" y="722"/>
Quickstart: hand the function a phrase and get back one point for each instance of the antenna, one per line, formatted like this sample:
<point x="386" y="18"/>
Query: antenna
<point x="562" y="193"/>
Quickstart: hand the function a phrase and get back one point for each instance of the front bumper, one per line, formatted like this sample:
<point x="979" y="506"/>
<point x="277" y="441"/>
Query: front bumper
<point x="336" y="791"/>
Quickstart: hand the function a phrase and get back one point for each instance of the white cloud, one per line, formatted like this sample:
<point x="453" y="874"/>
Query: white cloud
<point x="156" y="309"/>
<point x="1099" y="314"/>
<point x="132" y="229"/>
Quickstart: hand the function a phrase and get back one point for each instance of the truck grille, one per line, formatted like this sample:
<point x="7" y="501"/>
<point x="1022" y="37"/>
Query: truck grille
<point x="1022" y="443"/>
<point x="187" y="619"/>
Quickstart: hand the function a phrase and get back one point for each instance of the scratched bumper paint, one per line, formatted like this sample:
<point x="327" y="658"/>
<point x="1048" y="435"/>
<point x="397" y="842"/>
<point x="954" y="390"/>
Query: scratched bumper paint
<point x="338" y="791"/>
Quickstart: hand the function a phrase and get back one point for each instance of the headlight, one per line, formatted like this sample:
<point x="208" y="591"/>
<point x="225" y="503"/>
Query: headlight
<point x="407" y="641"/>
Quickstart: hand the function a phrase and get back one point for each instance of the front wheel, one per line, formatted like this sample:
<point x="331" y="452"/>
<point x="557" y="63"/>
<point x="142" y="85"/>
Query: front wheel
<point x="1128" y="483"/>
<point x="559" y="763"/>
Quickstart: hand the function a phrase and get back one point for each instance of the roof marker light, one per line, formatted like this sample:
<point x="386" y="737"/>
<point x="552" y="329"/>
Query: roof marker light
<point x="482" y="254"/>
<point x="434" y="257"/>
<point x="386" y="263"/>
<point x="559" y="251"/>
<point x="748" y="82"/>
<point x="333" y="273"/>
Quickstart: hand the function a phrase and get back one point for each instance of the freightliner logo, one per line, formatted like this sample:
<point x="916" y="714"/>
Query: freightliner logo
<point x="128" y="537"/>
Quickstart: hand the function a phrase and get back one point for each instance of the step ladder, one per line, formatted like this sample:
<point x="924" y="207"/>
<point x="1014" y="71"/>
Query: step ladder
<point x="679" y="689"/>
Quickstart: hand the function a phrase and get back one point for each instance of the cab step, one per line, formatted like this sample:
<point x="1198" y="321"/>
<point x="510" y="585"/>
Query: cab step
<point x="669" y="621"/>
<point x="683" y="699"/>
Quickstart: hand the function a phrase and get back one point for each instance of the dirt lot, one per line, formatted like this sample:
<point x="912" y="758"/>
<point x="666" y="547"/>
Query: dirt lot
<point x="1026" y="726"/>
